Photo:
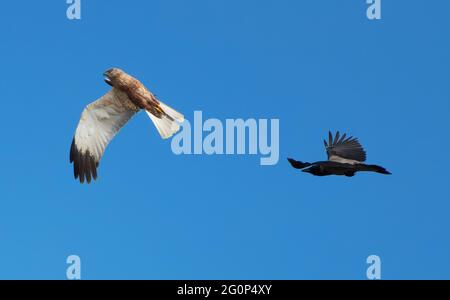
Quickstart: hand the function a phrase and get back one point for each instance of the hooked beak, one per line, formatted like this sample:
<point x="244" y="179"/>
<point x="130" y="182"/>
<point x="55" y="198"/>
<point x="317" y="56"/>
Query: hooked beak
<point x="107" y="80"/>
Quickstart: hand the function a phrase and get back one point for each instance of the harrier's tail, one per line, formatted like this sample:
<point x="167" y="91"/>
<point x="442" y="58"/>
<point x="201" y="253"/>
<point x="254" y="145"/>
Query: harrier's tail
<point x="168" y="123"/>
<point x="373" y="168"/>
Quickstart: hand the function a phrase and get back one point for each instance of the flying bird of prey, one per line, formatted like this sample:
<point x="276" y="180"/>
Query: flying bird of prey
<point x="101" y="121"/>
<point x="346" y="156"/>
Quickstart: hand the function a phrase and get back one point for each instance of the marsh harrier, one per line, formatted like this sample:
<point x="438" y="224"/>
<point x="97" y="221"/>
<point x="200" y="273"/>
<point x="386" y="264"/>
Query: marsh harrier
<point x="101" y="121"/>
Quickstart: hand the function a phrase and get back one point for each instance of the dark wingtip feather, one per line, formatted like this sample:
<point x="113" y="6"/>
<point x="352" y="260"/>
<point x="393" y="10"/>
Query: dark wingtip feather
<point x="336" y="137"/>
<point x="81" y="169"/>
<point x="75" y="159"/>
<point x="93" y="168"/>
<point x="342" y="138"/>
<point x="72" y="151"/>
<point x="75" y="169"/>
<point x="84" y="164"/>
<point x="88" y="159"/>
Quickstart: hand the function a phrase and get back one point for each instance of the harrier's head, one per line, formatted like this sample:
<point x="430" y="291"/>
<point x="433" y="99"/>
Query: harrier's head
<point x="112" y="76"/>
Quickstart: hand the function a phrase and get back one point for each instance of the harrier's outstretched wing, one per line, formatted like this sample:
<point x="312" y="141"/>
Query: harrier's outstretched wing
<point x="99" y="123"/>
<point x="344" y="150"/>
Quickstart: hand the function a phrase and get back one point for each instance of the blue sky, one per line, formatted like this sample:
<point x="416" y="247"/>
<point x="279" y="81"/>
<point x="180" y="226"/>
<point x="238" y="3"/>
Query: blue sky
<point x="314" y="65"/>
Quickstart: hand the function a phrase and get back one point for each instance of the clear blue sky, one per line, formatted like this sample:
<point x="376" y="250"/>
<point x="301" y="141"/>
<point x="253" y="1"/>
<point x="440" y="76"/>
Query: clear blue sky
<point x="315" y="65"/>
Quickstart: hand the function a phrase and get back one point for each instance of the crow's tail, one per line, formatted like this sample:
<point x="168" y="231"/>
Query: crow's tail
<point x="298" y="164"/>
<point x="373" y="168"/>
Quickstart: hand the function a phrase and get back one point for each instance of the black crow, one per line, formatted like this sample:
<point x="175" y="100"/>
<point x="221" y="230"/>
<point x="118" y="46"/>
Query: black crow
<point x="345" y="157"/>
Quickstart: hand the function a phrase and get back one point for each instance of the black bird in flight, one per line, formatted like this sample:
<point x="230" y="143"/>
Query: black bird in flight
<point x="346" y="156"/>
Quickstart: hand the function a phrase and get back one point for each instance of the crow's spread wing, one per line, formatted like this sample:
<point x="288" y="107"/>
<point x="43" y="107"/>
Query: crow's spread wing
<point x="344" y="150"/>
<point x="99" y="123"/>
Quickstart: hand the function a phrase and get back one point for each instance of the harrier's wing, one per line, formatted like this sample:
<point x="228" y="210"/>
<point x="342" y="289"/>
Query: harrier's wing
<point x="99" y="123"/>
<point x="342" y="149"/>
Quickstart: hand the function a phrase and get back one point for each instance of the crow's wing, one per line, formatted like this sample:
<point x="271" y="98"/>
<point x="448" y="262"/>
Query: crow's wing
<point x="99" y="123"/>
<point x="345" y="150"/>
